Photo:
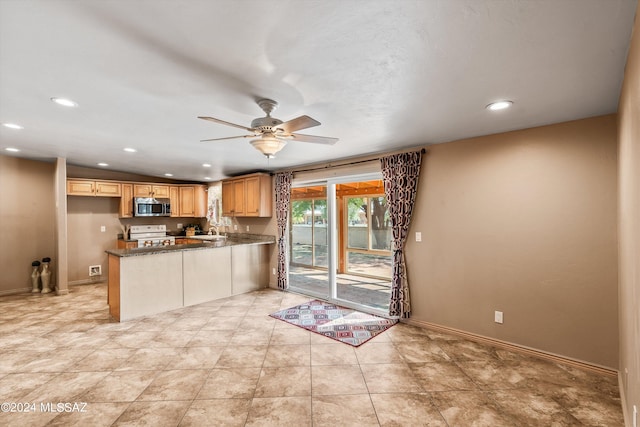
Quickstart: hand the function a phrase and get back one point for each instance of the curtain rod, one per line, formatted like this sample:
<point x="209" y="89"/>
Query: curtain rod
<point x="357" y="162"/>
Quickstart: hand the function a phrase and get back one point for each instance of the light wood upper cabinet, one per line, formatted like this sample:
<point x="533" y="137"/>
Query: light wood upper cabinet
<point x="174" y="199"/>
<point x="109" y="189"/>
<point x="189" y="201"/>
<point x="247" y="196"/>
<point x="151" y="190"/>
<point x="85" y="187"/>
<point x="126" y="202"/>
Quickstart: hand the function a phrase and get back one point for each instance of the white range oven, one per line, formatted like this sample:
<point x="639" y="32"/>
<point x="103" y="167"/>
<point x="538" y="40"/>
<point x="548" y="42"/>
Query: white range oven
<point x="151" y="235"/>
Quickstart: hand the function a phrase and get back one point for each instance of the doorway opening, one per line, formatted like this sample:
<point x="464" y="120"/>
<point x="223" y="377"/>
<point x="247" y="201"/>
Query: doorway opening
<point x="344" y="224"/>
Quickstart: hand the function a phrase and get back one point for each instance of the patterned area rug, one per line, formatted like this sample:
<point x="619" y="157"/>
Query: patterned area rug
<point x="333" y="321"/>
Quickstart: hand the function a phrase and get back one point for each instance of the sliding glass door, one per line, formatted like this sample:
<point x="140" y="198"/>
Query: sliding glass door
<point x="340" y="241"/>
<point x="309" y="241"/>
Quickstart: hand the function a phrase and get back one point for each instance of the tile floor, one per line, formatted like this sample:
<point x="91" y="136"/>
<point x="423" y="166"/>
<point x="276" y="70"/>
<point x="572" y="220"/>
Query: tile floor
<point x="226" y="363"/>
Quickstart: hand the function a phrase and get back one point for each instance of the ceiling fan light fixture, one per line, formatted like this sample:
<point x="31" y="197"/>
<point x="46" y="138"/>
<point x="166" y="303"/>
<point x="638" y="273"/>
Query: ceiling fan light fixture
<point x="268" y="145"/>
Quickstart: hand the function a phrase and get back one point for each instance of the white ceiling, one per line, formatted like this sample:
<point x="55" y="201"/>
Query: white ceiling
<point x="378" y="74"/>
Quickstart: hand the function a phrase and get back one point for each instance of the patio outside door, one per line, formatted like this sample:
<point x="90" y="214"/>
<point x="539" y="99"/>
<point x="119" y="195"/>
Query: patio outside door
<point x="340" y="242"/>
<point x="309" y="241"/>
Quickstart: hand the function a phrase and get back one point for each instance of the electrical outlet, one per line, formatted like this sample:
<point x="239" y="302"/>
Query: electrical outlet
<point x="498" y="317"/>
<point x="247" y="228"/>
<point x="418" y="236"/>
<point x="235" y="227"/>
<point x="179" y="226"/>
<point x="103" y="228"/>
<point x="274" y="271"/>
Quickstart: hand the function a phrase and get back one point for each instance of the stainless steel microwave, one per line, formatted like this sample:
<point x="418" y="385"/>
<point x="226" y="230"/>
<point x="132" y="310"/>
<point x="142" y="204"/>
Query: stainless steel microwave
<point x="149" y="206"/>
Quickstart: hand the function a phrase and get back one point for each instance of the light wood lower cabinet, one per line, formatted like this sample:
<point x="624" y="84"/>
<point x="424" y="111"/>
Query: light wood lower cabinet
<point x="149" y="284"/>
<point x="121" y="244"/>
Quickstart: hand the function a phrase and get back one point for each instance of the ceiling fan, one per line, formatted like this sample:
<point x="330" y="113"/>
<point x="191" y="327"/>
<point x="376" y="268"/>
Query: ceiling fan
<point x="273" y="134"/>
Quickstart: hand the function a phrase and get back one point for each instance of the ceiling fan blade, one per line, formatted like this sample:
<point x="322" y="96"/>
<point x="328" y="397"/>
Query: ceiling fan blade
<point x="229" y="137"/>
<point x="315" y="139"/>
<point x="302" y="122"/>
<point x="212" y="119"/>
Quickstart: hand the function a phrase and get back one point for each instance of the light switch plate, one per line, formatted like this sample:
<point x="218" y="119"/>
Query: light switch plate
<point x="498" y="317"/>
<point x="103" y="228"/>
<point x="418" y="236"/>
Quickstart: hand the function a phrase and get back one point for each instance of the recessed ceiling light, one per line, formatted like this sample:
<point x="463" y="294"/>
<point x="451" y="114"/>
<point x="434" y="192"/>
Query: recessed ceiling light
<point x="103" y="164"/>
<point x="130" y="150"/>
<point x="12" y="126"/>
<point x="13" y="150"/>
<point x="499" y="105"/>
<point x="168" y="174"/>
<point x="64" y="101"/>
<point x="206" y="165"/>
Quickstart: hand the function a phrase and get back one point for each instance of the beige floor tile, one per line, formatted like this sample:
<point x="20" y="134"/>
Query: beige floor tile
<point x="465" y="408"/>
<point x="290" y="336"/>
<point x="26" y="419"/>
<point x="230" y="323"/>
<point x="190" y="360"/>
<point x="95" y="415"/>
<point x="390" y="378"/>
<point x="288" y="355"/>
<point x="494" y="374"/>
<point x="333" y="353"/>
<point x="122" y="386"/>
<point x="353" y="410"/>
<point x="421" y="352"/>
<point x="149" y="359"/>
<point x="158" y="414"/>
<point x="168" y="338"/>
<point x="242" y="356"/>
<point x="15" y="386"/>
<point x="408" y="409"/>
<point x="104" y="359"/>
<point x="371" y="352"/>
<point x="468" y="350"/>
<point x="337" y="379"/>
<point x="196" y="358"/>
<point x="217" y="412"/>
<point x="280" y="411"/>
<point x="230" y="383"/>
<point x="284" y="381"/>
<point x="60" y="360"/>
<point x="179" y="384"/>
<point x="208" y="338"/>
<point x="441" y="376"/>
<point x="65" y="387"/>
<point x="531" y="408"/>
<point x="251" y="336"/>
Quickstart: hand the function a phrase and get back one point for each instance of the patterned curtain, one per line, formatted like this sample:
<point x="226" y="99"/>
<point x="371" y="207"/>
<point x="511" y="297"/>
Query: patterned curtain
<point x="400" y="173"/>
<point x="283" y="196"/>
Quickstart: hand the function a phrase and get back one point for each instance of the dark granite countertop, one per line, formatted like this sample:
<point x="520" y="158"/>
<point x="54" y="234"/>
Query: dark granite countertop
<point x="232" y="240"/>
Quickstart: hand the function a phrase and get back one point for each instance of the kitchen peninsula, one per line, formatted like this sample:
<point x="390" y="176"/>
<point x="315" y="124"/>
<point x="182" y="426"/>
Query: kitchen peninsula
<point x="152" y="280"/>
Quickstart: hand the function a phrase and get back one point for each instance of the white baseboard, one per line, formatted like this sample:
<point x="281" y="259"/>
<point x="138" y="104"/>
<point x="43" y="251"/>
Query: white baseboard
<point x="516" y="348"/>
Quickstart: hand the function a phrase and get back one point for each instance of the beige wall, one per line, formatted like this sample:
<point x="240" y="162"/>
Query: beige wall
<point x="27" y="220"/>
<point x="524" y="223"/>
<point x="629" y="228"/>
